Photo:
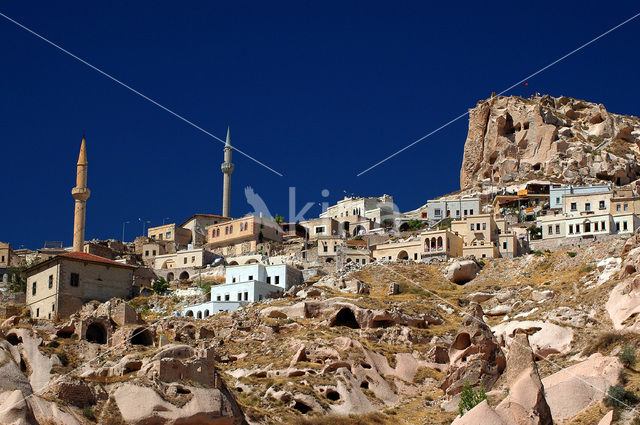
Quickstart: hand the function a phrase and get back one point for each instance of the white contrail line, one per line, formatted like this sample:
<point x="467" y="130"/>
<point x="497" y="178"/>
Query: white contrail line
<point x="175" y="114"/>
<point x="503" y="91"/>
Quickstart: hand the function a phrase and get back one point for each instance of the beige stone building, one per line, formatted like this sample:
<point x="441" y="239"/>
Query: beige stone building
<point x="243" y="235"/>
<point x="188" y="258"/>
<point x="320" y="227"/>
<point x="60" y="286"/>
<point x="376" y="209"/>
<point x="481" y="236"/>
<point x="197" y="224"/>
<point x="6" y="254"/>
<point x="171" y="233"/>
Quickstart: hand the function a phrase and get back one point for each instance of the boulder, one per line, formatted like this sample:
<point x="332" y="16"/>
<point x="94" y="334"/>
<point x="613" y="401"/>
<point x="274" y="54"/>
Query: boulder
<point x="474" y="355"/>
<point x="607" y="419"/>
<point x="623" y="304"/>
<point x="481" y="414"/>
<point x="545" y="337"/>
<point x="461" y="272"/>
<point x="587" y="383"/>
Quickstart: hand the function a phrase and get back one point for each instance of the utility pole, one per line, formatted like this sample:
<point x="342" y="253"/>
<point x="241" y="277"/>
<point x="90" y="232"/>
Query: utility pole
<point x="124" y="223"/>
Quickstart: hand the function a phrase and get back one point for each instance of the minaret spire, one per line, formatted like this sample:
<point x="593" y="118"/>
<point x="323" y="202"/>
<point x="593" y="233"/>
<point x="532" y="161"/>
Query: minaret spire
<point x="227" y="169"/>
<point x="80" y="193"/>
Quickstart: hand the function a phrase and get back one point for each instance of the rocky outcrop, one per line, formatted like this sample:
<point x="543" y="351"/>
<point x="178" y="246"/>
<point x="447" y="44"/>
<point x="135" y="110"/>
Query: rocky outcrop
<point x="462" y="271"/>
<point x="545" y="337"/>
<point x="562" y="138"/>
<point x="623" y="305"/>
<point x="586" y="382"/>
<point x="475" y="356"/>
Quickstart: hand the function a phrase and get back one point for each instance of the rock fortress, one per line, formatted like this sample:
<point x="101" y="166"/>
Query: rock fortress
<point x="513" y="301"/>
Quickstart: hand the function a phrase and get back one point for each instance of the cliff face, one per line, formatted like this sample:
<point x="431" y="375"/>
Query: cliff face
<point x="560" y="139"/>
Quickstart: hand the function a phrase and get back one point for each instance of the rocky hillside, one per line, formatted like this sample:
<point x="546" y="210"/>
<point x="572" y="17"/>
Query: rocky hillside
<point x="553" y="138"/>
<point x="381" y="344"/>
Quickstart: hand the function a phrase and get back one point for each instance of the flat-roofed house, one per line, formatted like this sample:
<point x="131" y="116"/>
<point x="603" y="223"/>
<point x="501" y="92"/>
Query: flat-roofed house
<point x="243" y="235"/>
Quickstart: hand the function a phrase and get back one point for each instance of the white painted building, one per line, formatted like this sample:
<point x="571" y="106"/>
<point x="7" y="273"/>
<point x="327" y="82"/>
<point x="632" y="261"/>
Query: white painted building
<point x="245" y="284"/>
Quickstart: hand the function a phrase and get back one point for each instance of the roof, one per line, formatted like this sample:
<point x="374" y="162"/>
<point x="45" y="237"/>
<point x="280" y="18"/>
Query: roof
<point x="204" y="215"/>
<point x="82" y="256"/>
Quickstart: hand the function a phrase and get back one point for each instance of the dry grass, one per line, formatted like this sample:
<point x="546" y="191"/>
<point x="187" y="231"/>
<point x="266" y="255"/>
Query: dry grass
<point x="366" y="419"/>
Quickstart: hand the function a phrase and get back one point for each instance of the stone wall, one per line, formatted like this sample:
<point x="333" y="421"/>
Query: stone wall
<point x="568" y="243"/>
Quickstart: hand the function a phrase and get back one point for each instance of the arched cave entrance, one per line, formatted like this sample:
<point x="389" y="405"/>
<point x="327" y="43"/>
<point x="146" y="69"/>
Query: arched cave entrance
<point x="96" y="333"/>
<point x="184" y="275"/>
<point x="142" y="336"/>
<point x="345" y="317"/>
<point x="170" y="276"/>
<point x="403" y="255"/>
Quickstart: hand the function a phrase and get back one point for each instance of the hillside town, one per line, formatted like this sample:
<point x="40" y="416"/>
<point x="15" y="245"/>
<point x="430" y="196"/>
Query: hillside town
<point x="398" y="310"/>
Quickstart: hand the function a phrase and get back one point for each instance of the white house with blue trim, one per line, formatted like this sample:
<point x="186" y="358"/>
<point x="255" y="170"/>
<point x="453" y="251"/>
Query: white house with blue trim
<point x="246" y="284"/>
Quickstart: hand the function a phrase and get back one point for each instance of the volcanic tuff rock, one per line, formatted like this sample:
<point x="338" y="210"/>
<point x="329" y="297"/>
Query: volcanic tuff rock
<point x="549" y="137"/>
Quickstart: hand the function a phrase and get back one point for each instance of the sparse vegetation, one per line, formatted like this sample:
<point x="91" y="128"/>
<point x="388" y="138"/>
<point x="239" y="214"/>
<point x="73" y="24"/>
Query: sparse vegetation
<point x="88" y="413"/>
<point x="571" y="254"/>
<point x="469" y="398"/>
<point x="628" y="355"/>
<point x="160" y="286"/>
<point x="618" y="396"/>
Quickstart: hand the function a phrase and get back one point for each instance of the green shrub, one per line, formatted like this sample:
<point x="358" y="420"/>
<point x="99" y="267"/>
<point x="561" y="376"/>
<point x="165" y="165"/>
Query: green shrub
<point x="88" y="413"/>
<point x="160" y="286"/>
<point x="538" y="253"/>
<point x="619" y="397"/>
<point x="628" y="355"/>
<point x="571" y="254"/>
<point x="470" y="398"/>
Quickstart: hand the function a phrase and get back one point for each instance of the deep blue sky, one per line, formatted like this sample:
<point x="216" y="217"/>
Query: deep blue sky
<point x="316" y="90"/>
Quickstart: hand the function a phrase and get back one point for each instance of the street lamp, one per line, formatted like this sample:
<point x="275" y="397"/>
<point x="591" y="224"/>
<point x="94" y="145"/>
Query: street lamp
<point x="143" y="224"/>
<point x="124" y="223"/>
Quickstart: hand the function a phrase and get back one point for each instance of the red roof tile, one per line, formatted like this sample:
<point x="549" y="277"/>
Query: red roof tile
<point x="83" y="256"/>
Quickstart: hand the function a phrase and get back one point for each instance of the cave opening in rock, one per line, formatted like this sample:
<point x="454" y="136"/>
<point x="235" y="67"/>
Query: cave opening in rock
<point x="96" y="333"/>
<point x="364" y="384"/>
<point x="142" y="336"/>
<point x="23" y="365"/>
<point x="14" y="339"/>
<point x="301" y="407"/>
<point x="65" y="333"/>
<point x="462" y="341"/>
<point x="333" y="395"/>
<point x="345" y="317"/>
<point x="182" y="390"/>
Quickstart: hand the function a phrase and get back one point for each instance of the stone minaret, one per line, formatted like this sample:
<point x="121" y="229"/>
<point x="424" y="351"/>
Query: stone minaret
<point x="227" y="169"/>
<point x="80" y="193"/>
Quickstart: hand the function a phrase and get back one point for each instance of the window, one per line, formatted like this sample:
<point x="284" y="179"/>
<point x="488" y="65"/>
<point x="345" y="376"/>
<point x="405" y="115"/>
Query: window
<point x="50" y="281"/>
<point x="415" y="256"/>
<point x="472" y="226"/>
<point x="74" y="279"/>
<point x="484" y="255"/>
<point x="168" y="235"/>
<point x="571" y="229"/>
<point x="154" y="252"/>
<point x="624" y="225"/>
<point x="618" y="207"/>
<point x="233" y="280"/>
<point x="33" y="288"/>
<point x="587" y="227"/>
<point x="364" y="261"/>
<point x="457" y="213"/>
<point x="626" y="207"/>
<point x="574" y="206"/>
<point x="277" y="280"/>
<point x="504" y="245"/>
<point x="239" y="296"/>
<point x="2" y="259"/>
<point x="218" y="298"/>
<point x="558" y="201"/>
<point x="246" y="296"/>
<point x="465" y="212"/>
<point x="250" y="277"/>
<point x="226" y="230"/>
<point x="325" y="248"/>
<point x="218" y="231"/>
<point x="146" y="253"/>
<point x="603" y="226"/>
<point x="193" y="259"/>
<point x="595" y="226"/>
<point x="231" y="229"/>
<point x="602" y="205"/>
<point x="437" y="212"/>
<point x="259" y="297"/>
<point x="577" y="228"/>
<point x="226" y="297"/>
<point x="550" y="229"/>
<point x="53" y="307"/>
<point x="184" y="260"/>
<point x="587" y="206"/>
<point x="484" y="226"/>
<point x="37" y="312"/>
<point x="617" y="226"/>
<point x="470" y="212"/>
<point x="319" y="230"/>
<point x="557" y="228"/>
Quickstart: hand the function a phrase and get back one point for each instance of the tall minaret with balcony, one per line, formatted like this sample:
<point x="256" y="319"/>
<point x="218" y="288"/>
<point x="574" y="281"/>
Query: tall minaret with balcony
<point x="227" y="169"/>
<point x="80" y="193"/>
